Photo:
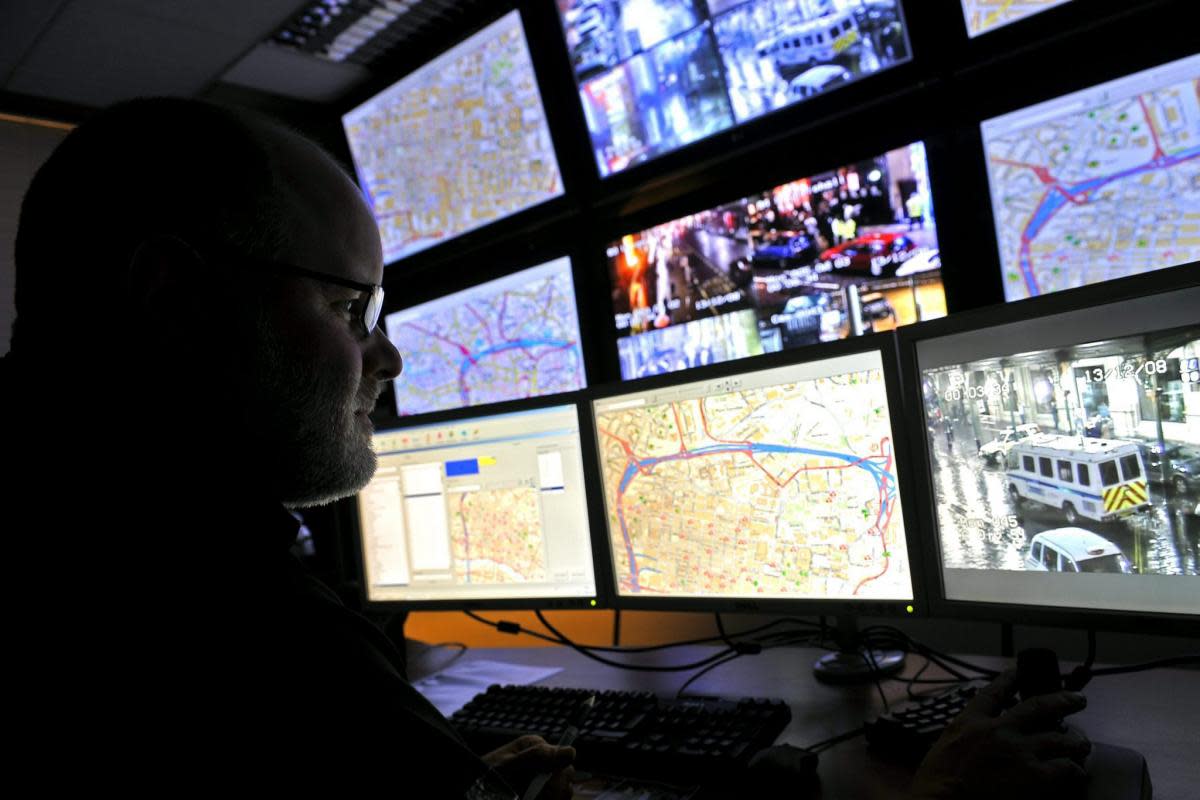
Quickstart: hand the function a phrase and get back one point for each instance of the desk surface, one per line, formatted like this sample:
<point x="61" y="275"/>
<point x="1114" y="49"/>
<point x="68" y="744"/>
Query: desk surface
<point x="1152" y="712"/>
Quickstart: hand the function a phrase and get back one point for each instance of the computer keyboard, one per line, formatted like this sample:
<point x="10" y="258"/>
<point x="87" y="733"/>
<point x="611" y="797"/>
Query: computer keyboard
<point x="629" y="733"/>
<point x="909" y="730"/>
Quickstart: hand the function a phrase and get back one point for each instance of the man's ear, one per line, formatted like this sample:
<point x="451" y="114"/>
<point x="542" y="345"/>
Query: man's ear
<point x="160" y="282"/>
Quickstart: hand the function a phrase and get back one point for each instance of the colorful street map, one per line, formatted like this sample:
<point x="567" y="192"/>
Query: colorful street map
<point x="1107" y="187"/>
<point x="496" y="536"/>
<point x="781" y="491"/>
<point x="459" y="143"/>
<point x="987" y="15"/>
<point x="511" y="338"/>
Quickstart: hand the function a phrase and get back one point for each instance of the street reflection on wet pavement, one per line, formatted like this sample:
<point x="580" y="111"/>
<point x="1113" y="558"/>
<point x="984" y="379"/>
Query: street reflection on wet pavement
<point x="980" y="527"/>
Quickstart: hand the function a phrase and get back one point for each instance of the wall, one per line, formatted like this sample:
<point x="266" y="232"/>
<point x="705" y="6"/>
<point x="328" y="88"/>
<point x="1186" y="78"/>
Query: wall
<point x="645" y="628"/>
<point x="24" y="145"/>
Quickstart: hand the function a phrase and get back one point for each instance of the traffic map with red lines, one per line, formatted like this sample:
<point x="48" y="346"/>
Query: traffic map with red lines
<point x="508" y="339"/>
<point x="1099" y="193"/>
<point x="780" y="491"/>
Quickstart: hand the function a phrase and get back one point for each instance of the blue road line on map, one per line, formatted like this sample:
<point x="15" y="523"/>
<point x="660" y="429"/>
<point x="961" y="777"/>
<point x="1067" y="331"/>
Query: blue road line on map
<point x="471" y="359"/>
<point x="631" y="470"/>
<point x="1056" y="200"/>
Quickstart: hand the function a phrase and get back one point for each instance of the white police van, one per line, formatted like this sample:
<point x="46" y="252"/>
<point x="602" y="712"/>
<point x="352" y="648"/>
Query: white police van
<point x="1074" y="550"/>
<point x="805" y="45"/>
<point x="1100" y="479"/>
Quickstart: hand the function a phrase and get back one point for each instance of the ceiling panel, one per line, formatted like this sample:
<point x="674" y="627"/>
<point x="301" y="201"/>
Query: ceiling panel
<point x="20" y="23"/>
<point x="96" y="52"/>
<point x="280" y="70"/>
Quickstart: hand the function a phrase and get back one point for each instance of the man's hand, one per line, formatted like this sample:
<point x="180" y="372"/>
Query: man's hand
<point x="522" y="759"/>
<point x="989" y="752"/>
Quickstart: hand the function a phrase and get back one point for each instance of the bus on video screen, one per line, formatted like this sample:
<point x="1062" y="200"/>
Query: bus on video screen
<point x="849" y="251"/>
<point x="655" y="75"/>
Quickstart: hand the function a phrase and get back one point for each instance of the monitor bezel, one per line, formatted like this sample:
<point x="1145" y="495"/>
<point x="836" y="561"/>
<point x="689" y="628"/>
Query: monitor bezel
<point x="1170" y="279"/>
<point x="588" y="456"/>
<point x="884" y="344"/>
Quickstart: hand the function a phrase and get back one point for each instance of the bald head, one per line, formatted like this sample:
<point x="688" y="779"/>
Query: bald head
<point x="143" y="237"/>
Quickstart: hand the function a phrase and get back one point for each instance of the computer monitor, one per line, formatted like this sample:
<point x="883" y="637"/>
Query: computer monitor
<point x="984" y="16"/>
<point x="458" y="143"/>
<point x="656" y="75"/>
<point x="474" y="511"/>
<point x="1098" y="184"/>
<point x="772" y="486"/>
<point x="850" y="250"/>
<point x="510" y="338"/>
<point x="1061" y="447"/>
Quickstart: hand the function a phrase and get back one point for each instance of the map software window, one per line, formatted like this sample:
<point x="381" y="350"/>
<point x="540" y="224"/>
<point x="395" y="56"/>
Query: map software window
<point x="1098" y="184"/>
<point x="477" y="509"/>
<point x="774" y="484"/>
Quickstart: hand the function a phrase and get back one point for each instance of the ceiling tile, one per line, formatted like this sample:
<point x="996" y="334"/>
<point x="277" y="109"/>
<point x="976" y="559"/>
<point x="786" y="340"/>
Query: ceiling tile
<point x="96" y="53"/>
<point x="280" y="70"/>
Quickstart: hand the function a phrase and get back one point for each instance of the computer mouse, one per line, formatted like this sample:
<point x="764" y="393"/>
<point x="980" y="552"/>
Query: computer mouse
<point x="780" y="770"/>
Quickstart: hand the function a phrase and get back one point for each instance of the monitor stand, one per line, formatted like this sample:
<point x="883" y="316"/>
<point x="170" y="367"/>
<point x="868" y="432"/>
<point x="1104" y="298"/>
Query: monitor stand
<point x="854" y="663"/>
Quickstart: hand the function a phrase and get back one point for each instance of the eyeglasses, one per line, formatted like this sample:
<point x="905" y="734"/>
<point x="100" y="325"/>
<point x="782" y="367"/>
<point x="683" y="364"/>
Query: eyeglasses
<point x="368" y="307"/>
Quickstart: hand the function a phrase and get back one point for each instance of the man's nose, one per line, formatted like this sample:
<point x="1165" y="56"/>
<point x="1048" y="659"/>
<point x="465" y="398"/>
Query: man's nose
<point x="381" y="358"/>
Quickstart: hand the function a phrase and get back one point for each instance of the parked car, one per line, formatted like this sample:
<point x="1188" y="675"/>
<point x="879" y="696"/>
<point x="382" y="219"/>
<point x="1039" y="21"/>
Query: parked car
<point x="1172" y="464"/>
<point x="819" y="79"/>
<point x="876" y="253"/>
<point x="806" y="318"/>
<point x="1074" y="550"/>
<point x="785" y="250"/>
<point x="995" y="452"/>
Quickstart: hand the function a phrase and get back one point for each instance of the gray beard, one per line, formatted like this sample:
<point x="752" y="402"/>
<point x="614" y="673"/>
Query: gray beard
<point x="312" y="449"/>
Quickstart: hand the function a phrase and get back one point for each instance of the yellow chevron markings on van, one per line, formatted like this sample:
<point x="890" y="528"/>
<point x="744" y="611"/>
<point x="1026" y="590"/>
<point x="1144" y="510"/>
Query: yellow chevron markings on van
<point x="1127" y="495"/>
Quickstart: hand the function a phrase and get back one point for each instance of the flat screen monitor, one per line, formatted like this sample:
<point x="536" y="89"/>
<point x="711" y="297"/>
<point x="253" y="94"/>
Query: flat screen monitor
<point x="1098" y="184"/>
<point x="850" y="250"/>
<point x="1063" y="458"/>
<point x="656" y="75"/>
<point x="483" y="510"/>
<point x="511" y="338"/>
<point x="984" y="16"/>
<point x="779" y="485"/>
<point x="456" y="144"/>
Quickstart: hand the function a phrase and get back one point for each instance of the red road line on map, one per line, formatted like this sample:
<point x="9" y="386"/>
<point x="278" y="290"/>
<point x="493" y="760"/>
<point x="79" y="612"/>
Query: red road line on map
<point x="482" y="322"/>
<point x="704" y="423"/>
<point x="885" y="442"/>
<point x="1158" y="151"/>
<point x="679" y="428"/>
<point x="1043" y="174"/>
<point x="500" y="317"/>
<point x="462" y="348"/>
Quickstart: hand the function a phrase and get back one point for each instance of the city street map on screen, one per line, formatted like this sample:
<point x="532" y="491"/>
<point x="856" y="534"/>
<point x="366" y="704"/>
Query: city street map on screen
<point x="775" y="484"/>
<point x="1099" y="184"/>
<point x="510" y="338"/>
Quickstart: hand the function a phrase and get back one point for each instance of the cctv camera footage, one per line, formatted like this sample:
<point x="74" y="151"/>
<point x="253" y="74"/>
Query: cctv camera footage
<point x="844" y="252"/>
<point x="1080" y="459"/>
<point x="656" y="75"/>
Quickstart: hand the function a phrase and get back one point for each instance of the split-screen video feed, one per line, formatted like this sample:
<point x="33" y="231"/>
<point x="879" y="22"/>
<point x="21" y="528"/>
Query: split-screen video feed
<point x="849" y="251"/>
